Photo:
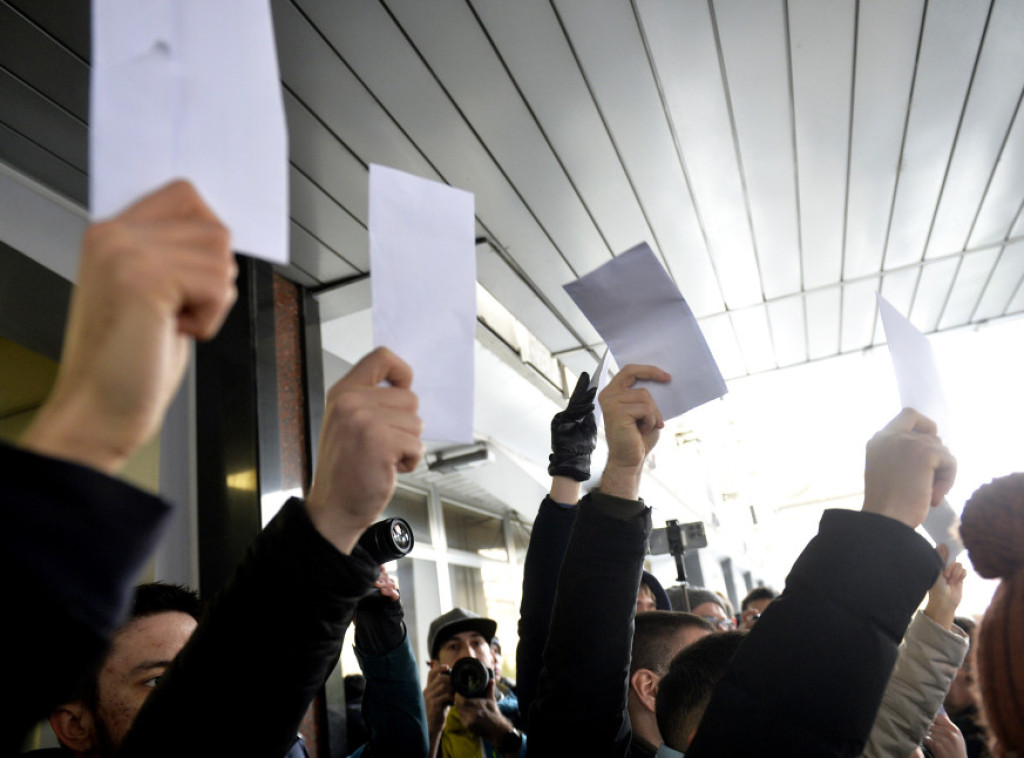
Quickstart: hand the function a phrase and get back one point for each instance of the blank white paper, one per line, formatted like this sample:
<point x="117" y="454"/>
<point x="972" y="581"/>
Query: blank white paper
<point x="639" y="312"/>
<point x="189" y="89"/>
<point x="423" y="278"/>
<point x="917" y="377"/>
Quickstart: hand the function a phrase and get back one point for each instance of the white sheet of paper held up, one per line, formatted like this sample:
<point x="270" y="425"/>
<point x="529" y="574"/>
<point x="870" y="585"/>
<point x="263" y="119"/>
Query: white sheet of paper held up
<point x="423" y="278"/>
<point x="600" y="380"/>
<point x="917" y="377"/>
<point x="639" y="312"/>
<point x="189" y="89"/>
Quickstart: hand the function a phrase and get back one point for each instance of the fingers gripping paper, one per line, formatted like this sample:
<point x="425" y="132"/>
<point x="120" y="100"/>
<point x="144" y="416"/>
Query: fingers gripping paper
<point x="639" y="312"/>
<point x="423" y="280"/>
<point x="176" y="97"/>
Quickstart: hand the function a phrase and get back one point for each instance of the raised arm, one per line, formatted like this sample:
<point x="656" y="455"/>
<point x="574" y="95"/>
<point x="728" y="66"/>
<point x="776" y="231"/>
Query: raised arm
<point x="149" y="280"/>
<point x="581" y="702"/>
<point x="573" y="439"/>
<point x="810" y="677"/>
<point x="275" y="632"/>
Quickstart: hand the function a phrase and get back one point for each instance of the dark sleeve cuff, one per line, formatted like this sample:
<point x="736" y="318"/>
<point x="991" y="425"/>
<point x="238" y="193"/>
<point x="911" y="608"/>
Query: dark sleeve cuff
<point x="81" y="536"/>
<point x="616" y="507"/>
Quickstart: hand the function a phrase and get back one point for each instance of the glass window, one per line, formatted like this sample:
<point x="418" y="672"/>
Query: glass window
<point x="412" y="506"/>
<point x="520" y="537"/>
<point x="474" y="532"/>
<point x="468" y="588"/>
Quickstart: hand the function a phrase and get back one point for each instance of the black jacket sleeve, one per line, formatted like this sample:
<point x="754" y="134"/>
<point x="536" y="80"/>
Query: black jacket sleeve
<point x="549" y="539"/>
<point x="243" y="682"/>
<point x="581" y="703"/>
<point x="72" y="543"/>
<point x="809" y="679"/>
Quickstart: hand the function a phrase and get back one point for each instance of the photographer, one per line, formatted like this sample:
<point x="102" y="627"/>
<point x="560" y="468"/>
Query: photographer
<point x="464" y="718"/>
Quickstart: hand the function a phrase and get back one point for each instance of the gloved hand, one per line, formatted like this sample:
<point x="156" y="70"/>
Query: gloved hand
<point x="574" y="434"/>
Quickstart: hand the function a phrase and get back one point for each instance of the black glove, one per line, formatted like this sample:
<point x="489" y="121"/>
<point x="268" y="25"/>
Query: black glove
<point x="574" y="434"/>
<point x="379" y="625"/>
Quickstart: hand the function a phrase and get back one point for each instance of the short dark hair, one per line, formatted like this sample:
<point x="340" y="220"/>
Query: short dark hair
<point x="158" y="597"/>
<point x="653" y="634"/>
<point x="758" y="593"/>
<point x="684" y="692"/>
<point x="150" y="599"/>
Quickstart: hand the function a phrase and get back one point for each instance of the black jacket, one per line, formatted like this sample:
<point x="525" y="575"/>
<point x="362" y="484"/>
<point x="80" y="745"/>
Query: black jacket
<point x="244" y="680"/>
<point x="72" y="543"/>
<point x="807" y="681"/>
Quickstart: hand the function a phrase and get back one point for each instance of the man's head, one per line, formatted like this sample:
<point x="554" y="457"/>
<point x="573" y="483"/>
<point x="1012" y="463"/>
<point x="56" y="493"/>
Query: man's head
<point x="657" y="638"/>
<point x="461" y="634"/>
<point x="754" y="604"/>
<point x="162" y="619"/>
<point x="685" y="690"/>
<point x="651" y="596"/>
<point x="704" y="603"/>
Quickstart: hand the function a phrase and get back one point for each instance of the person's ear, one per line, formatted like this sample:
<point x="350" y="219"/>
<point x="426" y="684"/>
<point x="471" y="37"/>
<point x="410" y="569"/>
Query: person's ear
<point x="74" y="726"/>
<point x="644" y="684"/>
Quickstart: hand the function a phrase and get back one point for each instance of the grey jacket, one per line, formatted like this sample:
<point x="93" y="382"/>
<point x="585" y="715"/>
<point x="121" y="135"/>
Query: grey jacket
<point x="928" y="660"/>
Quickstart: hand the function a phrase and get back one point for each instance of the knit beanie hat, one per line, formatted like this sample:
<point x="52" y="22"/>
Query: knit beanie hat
<point x="992" y="528"/>
<point x="696" y="595"/>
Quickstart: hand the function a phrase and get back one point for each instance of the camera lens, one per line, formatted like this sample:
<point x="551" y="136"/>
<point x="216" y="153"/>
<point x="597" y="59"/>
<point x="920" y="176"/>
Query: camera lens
<point x="470" y="677"/>
<point x="388" y="540"/>
<point x="401" y="535"/>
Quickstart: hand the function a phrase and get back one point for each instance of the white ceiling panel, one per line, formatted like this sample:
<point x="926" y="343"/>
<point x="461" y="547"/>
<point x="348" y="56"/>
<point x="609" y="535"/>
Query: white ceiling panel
<point x="682" y="39"/>
<point x="968" y="288"/>
<point x="755" y="339"/>
<point x="994" y="99"/>
<point x="721" y="339"/>
<point x="887" y="39"/>
<point x="316" y="259"/>
<point x="1018" y="228"/>
<point x="1005" y="194"/>
<point x="412" y="96"/>
<point x="949" y="48"/>
<point x="933" y="288"/>
<point x="315" y="74"/>
<point x="822" y="323"/>
<point x="860" y="306"/>
<point x="821" y="47"/>
<point x="531" y="43"/>
<point x="324" y="160"/>
<point x="789" y="333"/>
<point x="1003" y="284"/>
<point x="605" y="38"/>
<point x="753" y="44"/>
<point x="509" y="289"/>
<point x="488" y="99"/>
<point x="1017" y="304"/>
<point x="898" y="287"/>
<point x="314" y="209"/>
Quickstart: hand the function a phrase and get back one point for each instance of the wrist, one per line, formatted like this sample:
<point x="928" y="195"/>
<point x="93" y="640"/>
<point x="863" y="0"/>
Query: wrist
<point x="64" y="434"/>
<point x="940" y="615"/>
<point x="622" y="481"/>
<point x="333" y="524"/>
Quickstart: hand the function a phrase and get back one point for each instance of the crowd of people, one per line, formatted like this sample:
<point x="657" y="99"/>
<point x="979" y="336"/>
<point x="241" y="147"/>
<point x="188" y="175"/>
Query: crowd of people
<point x="609" y="663"/>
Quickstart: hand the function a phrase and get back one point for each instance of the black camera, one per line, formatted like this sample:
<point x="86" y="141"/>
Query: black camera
<point x="388" y="540"/>
<point x="470" y="677"/>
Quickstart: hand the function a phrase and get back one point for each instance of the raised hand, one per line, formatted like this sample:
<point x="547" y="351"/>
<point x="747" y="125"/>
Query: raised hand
<point x="574" y="434"/>
<point x="632" y="423"/>
<point x="149" y="279"/>
<point x="907" y="469"/>
<point x="370" y="434"/>
<point x="945" y="595"/>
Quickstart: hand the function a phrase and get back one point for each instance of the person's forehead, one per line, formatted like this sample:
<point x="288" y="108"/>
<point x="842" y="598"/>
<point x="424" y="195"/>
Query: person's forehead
<point x="158" y="637"/>
<point x="710" y="608"/>
<point x="466" y="637"/>
<point x="759" y="604"/>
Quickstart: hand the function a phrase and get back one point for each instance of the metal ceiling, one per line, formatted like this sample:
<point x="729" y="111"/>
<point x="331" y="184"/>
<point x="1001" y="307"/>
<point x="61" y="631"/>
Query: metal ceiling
<point x="785" y="159"/>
